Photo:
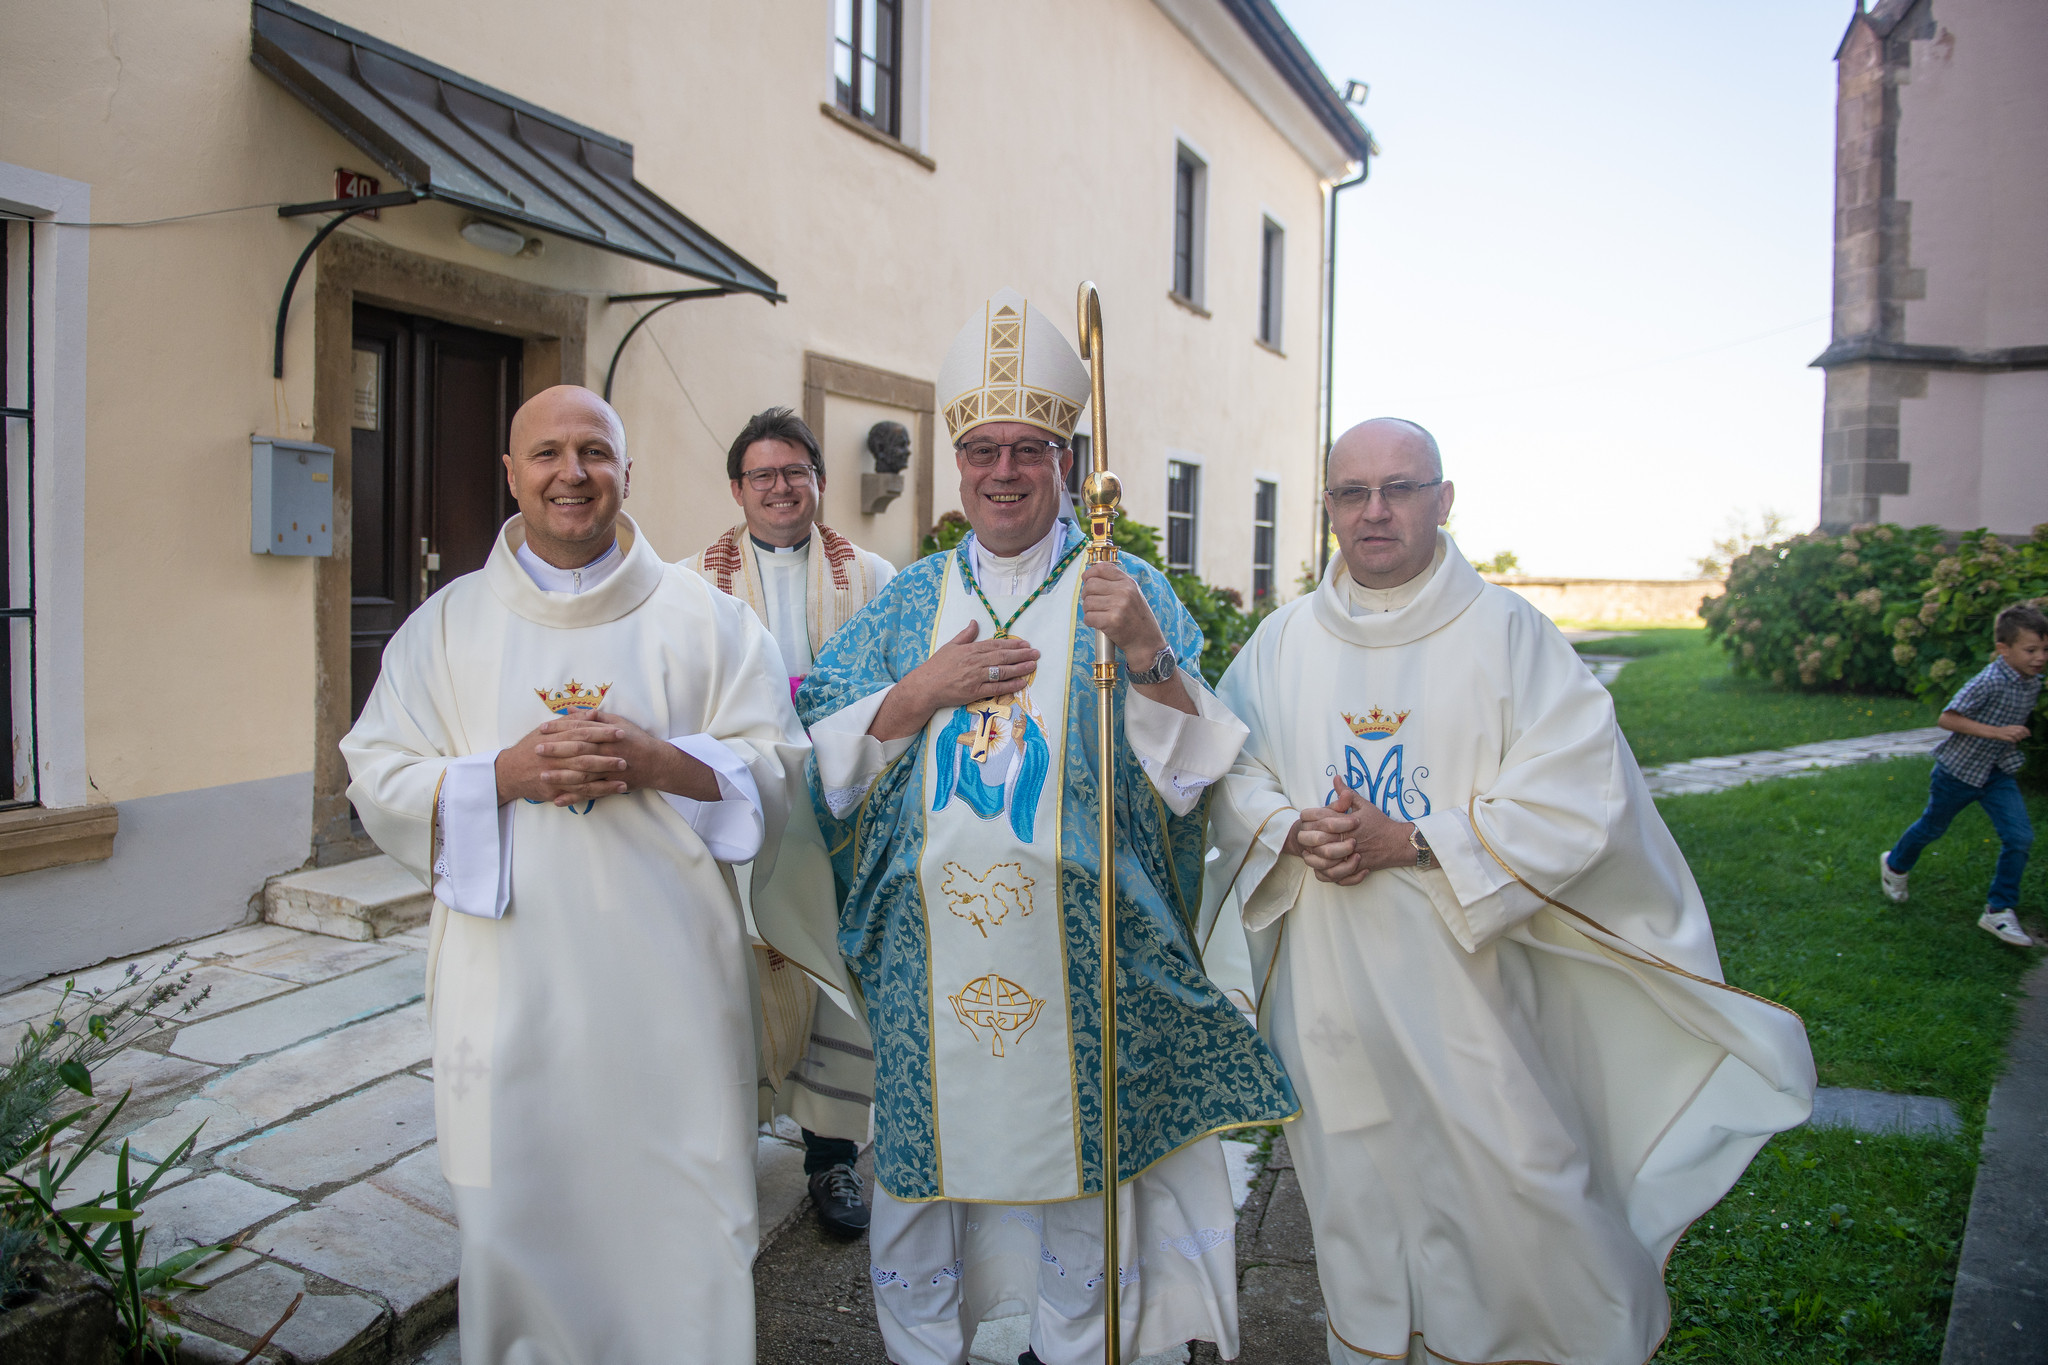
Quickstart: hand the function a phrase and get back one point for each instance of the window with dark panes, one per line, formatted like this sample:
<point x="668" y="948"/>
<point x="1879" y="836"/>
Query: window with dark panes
<point x="1084" y="460"/>
<point x="1183" y="499"/>
<point x="867" y="50"/>
<point x="1272" y="256"/>
<point x="17" y="519"/>
<point x="1188" y="171"/>
<point x="1265" y="503"/>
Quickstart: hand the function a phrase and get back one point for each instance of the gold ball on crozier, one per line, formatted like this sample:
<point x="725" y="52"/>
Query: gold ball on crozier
<point x="1102" y="490"/>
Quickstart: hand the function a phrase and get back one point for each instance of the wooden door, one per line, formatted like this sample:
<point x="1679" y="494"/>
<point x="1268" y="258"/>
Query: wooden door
<point x="432" y="414"/>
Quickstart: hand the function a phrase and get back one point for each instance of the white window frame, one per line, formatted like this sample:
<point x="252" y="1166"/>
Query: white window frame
<point x="1198" y="247"/>
<point x="1259" y="477"/>
<point x="57" y="491"/>
<point x="1272" y="320"/>
<point x="1194" y="516"/>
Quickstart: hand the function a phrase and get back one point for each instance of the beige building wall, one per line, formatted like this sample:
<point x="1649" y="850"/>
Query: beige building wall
<point x="1046" y="138"/>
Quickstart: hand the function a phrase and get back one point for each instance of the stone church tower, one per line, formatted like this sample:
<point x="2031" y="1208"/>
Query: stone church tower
<point x="1937" y="371"/>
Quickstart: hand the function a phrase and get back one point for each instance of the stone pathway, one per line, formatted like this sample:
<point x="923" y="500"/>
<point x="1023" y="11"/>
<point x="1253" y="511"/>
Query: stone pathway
<point x="309" y="1064"/>
<point x="2000" y="1310"/>
<point x="1735" y="770"/>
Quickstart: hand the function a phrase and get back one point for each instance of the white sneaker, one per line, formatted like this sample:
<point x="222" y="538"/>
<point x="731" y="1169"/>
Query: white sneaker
<point x="2005" y="925"/>
<point x="1894" y="883"/>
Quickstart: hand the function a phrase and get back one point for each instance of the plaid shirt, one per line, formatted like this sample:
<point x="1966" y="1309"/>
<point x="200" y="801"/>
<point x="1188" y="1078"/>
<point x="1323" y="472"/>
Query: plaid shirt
<point x="2000" y="695"/>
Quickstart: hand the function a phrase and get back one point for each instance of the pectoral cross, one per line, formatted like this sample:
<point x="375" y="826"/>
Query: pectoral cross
<point x="990" y="723"/>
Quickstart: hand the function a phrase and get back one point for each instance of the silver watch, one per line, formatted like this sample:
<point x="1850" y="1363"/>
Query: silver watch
<point x="1164" y="666"/>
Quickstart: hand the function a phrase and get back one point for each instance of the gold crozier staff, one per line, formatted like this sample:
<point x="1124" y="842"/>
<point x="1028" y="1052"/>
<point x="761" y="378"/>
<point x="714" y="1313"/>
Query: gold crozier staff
<point x="1103" y="491"/>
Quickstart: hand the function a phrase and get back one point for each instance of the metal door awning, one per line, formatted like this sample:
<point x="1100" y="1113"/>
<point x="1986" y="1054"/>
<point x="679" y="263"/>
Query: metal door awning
<point x="444" y="136"/>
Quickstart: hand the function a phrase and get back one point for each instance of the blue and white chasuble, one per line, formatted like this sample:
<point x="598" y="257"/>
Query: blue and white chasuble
<point x="970" y="919"/>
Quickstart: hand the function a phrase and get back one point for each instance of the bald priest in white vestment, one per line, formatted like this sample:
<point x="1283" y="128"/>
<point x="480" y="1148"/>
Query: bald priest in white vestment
<point x="1482" y="955"/>
<point x="571" y="746"/>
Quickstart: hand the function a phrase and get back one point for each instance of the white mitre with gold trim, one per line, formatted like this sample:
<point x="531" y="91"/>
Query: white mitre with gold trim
<point x="1010" y="364"/>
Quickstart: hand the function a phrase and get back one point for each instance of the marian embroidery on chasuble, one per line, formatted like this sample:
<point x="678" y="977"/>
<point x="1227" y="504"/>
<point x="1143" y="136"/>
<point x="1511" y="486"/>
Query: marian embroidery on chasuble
<point x="1001" y="1051"/>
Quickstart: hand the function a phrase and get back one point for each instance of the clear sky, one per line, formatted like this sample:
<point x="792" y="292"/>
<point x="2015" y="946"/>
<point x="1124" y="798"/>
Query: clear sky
<point x="1594" y="259"/>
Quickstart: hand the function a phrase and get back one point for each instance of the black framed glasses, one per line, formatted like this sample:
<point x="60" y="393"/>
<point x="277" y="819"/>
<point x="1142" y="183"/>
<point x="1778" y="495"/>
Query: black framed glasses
<point x="796" y="475"/>
<point x="1025" y="454"/>
<point x="1352" y="496"/>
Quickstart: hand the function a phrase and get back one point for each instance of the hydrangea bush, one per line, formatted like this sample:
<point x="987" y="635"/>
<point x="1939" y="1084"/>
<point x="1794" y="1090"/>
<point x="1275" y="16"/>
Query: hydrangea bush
<point x="1812" y="612"/>
<point x="1941" y="640"/>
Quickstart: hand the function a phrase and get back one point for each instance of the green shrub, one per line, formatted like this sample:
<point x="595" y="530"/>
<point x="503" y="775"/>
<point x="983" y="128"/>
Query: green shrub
<point x="1941" y="641"/>
<point x="1220" y="612"/>
<point x="1810" y="612"/>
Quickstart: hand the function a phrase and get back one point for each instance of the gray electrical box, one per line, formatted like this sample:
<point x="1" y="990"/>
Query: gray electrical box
<point x="291" y="497"/>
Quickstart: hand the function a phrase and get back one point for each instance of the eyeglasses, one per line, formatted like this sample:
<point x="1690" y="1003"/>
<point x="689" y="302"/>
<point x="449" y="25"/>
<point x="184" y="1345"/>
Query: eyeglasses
<point x="1352" y="496"/>
<point x="797" y="475"/>
<point x="1024" y="454"/>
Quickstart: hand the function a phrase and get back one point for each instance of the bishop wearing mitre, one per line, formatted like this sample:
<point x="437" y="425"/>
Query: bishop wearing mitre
<point x="572" y="746"/>
<point x="954" y="720"/>
<point x="1481" y="955"/>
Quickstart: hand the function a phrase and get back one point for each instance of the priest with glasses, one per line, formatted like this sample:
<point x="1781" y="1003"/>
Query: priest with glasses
<point x="955" y="775"/>
<point x="1480" y="952"/>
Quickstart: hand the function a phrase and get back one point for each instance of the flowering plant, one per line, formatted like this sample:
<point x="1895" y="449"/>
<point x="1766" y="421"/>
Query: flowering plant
<point x="1810" y="612"/>
<point x="1942" y="640"/>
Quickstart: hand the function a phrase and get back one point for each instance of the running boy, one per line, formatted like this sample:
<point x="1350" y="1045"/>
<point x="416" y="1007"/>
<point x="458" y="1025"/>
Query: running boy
<point x="1987" y="720"/>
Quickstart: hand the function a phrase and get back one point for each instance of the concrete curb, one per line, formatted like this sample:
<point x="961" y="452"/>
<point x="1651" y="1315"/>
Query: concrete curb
<point x="2000" y="1312"/>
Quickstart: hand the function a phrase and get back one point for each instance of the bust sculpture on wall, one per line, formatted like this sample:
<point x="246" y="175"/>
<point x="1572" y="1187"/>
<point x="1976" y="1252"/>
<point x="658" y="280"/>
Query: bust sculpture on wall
<point x="889" y="444"/>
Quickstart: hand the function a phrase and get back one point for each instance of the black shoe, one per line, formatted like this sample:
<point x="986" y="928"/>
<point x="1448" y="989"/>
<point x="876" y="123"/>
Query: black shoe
<point x="1030" y="1357"/>
<point x="836" y="1192"/>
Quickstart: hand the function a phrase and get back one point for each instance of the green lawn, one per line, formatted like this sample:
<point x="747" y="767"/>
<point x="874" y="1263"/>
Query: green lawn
<point x="1838" y="1247"/>
<point x="1679" y="701"/>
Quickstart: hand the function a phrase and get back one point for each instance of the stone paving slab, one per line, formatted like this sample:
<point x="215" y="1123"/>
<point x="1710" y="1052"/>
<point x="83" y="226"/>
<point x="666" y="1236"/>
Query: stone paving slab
<point x="208" y="1211"/>
<point x="261" y="1093"/>
<point x="369" y="1240"/>
<point x="1873" y="1111"/>
<point x="225" y="989"/>
<point x="417" y="1180"/>
<point x="324" y="1327"/>
<point x="320" y="960"/>
<point x="339" y="1141"/>
<point x="287" y="1019"/>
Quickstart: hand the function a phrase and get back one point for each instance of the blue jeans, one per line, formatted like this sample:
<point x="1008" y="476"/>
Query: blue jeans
<point x="1946" y="798"/>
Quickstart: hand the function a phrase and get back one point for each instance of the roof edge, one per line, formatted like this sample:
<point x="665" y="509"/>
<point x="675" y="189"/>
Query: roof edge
<point x="1283" y="48"/>
<point x="315" y="20"/>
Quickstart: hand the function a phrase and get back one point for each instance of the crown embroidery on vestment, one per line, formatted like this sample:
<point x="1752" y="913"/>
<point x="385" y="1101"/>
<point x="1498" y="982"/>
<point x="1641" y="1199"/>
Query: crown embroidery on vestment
<point x="572" y="697"/>
<point x="1376" y="723"/>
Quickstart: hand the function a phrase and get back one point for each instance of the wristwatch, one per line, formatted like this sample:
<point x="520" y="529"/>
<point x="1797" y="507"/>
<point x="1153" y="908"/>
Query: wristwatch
<point x="1424" y="859"/>
<point x="1164" y="666"/>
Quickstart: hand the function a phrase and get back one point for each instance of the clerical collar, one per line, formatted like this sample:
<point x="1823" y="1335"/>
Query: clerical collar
<point x="548" y="578"/>
<point x="1014" y="575"/>
<point x="1363" y="601"/>
<point x="765" y="548"/>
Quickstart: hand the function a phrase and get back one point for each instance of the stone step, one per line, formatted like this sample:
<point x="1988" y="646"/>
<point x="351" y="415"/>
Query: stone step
<point x="366" y="899"/>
